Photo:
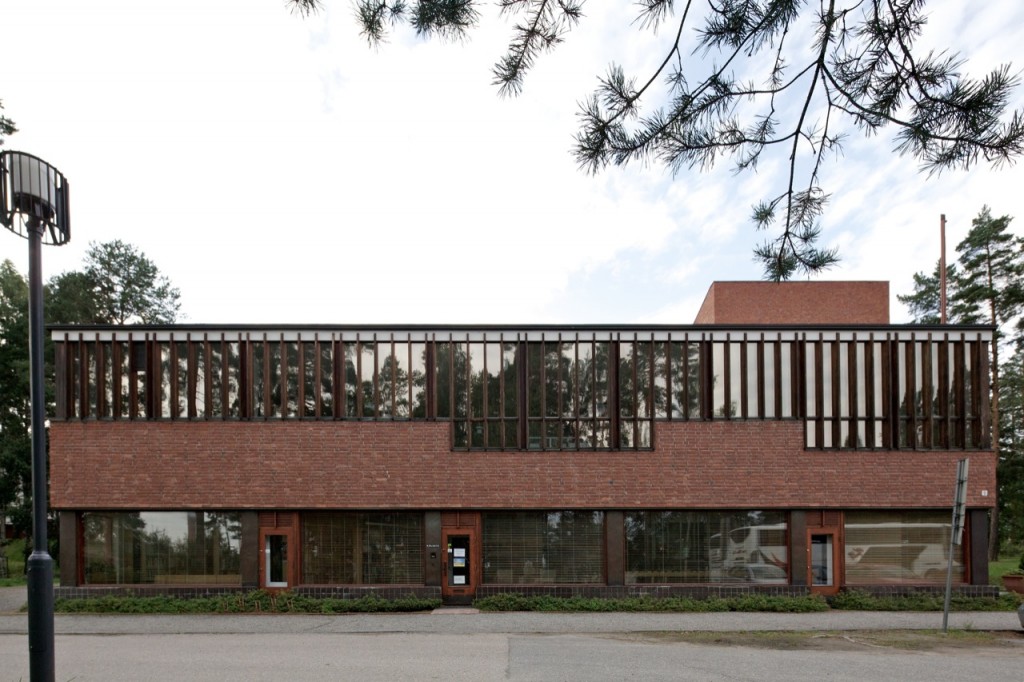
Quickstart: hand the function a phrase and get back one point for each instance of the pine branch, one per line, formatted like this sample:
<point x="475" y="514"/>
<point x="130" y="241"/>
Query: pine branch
<point x="547" y="21"/>
<point x="863" y="70"/>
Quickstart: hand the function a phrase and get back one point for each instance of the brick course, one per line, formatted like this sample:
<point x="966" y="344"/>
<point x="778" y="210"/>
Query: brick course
<point x="409" y="465"/>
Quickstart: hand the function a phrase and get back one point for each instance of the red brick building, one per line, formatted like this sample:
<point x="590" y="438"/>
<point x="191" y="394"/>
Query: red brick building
<point x="791" y="440"/>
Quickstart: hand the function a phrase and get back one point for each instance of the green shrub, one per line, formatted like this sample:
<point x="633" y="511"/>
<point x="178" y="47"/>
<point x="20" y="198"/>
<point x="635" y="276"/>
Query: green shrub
<point x="258" y="601"/>
<point x="856" y="600"/>
<point x="753" y="602"/>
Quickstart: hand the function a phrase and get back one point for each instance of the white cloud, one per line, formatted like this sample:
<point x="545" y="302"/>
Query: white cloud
<point x="279" y="170"/>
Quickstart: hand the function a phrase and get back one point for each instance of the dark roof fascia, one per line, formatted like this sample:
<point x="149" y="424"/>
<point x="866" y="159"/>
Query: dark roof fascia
<point x="506" y="327"/>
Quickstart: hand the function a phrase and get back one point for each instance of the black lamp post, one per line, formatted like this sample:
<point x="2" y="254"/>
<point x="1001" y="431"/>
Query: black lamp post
<point x="34" y="204"/>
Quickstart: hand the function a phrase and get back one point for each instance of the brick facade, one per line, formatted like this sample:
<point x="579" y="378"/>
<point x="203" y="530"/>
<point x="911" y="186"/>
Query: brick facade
<point x="779" y="303"/>
<point x="404" y="465"/>
<point x="153" y="419"/>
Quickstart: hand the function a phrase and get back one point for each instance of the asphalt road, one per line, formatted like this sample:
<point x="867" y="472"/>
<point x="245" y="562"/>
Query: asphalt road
<point x="460" y="644"/>
<point x="483" y="657"/>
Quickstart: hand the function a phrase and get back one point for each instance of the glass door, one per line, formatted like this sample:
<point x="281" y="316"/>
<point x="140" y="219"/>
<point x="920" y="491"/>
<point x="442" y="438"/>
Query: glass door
<point x="823" y="562"/>
<point x="276" y="564"/>
<point x="458" y="561"/>
<point x="459" y="570"/>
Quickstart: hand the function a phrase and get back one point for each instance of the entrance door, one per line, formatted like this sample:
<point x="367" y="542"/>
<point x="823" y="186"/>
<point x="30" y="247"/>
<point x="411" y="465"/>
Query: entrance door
<point x="278" y="557"/>
<point x="459" y="567"/>
<point x="823" y="561"/>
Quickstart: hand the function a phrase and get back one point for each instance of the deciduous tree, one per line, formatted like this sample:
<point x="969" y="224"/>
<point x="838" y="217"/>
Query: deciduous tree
<point x="15" y="415"/>
<point x="126" y="286"/>
<point x="118" y="285"/>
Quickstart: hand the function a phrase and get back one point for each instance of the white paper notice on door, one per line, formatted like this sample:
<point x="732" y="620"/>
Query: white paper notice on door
<point x="460" y="551"/>
<point x="460" y="579"/>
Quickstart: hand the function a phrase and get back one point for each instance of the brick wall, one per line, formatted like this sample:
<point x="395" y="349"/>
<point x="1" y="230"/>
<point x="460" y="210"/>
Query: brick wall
<point x="795" y="303"/>
<point x="363" y="465"/>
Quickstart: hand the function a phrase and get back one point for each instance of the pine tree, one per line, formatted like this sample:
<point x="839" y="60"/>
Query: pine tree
<point x="992" y="289"/>
<point x="1011" y="445"/>
<point x="924" y="302"/>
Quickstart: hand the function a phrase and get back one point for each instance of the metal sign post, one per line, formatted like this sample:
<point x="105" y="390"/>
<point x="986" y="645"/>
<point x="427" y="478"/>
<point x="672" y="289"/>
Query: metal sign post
<point x="956" y="533"/>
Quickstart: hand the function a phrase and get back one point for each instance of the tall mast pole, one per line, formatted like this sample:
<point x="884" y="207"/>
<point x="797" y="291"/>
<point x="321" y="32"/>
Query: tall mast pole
<point x="942" y="270"/>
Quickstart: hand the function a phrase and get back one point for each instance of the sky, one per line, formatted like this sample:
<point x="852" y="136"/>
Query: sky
<point x="279" y="170"/>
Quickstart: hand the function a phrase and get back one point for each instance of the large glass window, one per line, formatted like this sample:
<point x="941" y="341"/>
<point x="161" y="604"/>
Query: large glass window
<point x="567" y="389"/>
<point x="706" y="547"/>
<point x="636" y="393"/>
<point x="173" y="548"/>
<point x="558" y="547"/>
<point x="548" y="389"/>
<point x="353" y="548"/>
<point x="752" y="378"/>
<point x="899" y="547"/>
<point x="477" y="387"/>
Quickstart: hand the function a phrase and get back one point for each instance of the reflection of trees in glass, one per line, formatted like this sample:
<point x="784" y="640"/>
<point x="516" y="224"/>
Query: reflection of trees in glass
<point x="394" y="385"/>
<point x="450" y="362"/>
<point x="666" y="546"/>
<point x="418" y="370"/>
<point x="326" y="379"/>
<point x="367" y="366"/>
<point x="450" y="373"/>
<point x="164" y="547"/>
<point x="567" y="394"/>
<point x="725" y="395"/>
<point x="380" y="381"/>
<point x="257" y="379"/>
<point x="477" y="388"/>
<point x="677" y="380"/>
<point x="350" y="378"/>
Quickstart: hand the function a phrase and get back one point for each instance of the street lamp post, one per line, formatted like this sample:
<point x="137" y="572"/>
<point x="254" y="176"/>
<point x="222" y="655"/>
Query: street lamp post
<point x="34" y="204"/>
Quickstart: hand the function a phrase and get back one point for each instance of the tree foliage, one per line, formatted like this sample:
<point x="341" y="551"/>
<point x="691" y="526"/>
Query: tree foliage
<point x="742" y="79"/>
<point x="1011" y="446"/>
<point x="6" y="125"/>
<point x="15" y="414"/>
<point x="987" y="286"/>
<point x="124" y="286"/>
<point x="924" y="302"/>
<point x="118" y="284"/>
<point x="992" y="260"/>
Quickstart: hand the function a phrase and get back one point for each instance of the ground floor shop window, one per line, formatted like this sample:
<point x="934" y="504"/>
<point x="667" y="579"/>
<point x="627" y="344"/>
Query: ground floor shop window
<point x="900" y="547"/>
<point x="559" y="547"/>
<point x="161" y="548"/>
<point x="352" y="548"/>
<point x="706" y="547"/>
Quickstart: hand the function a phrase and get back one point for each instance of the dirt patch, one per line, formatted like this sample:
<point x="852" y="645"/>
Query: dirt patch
<point x="858" y="640"/>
